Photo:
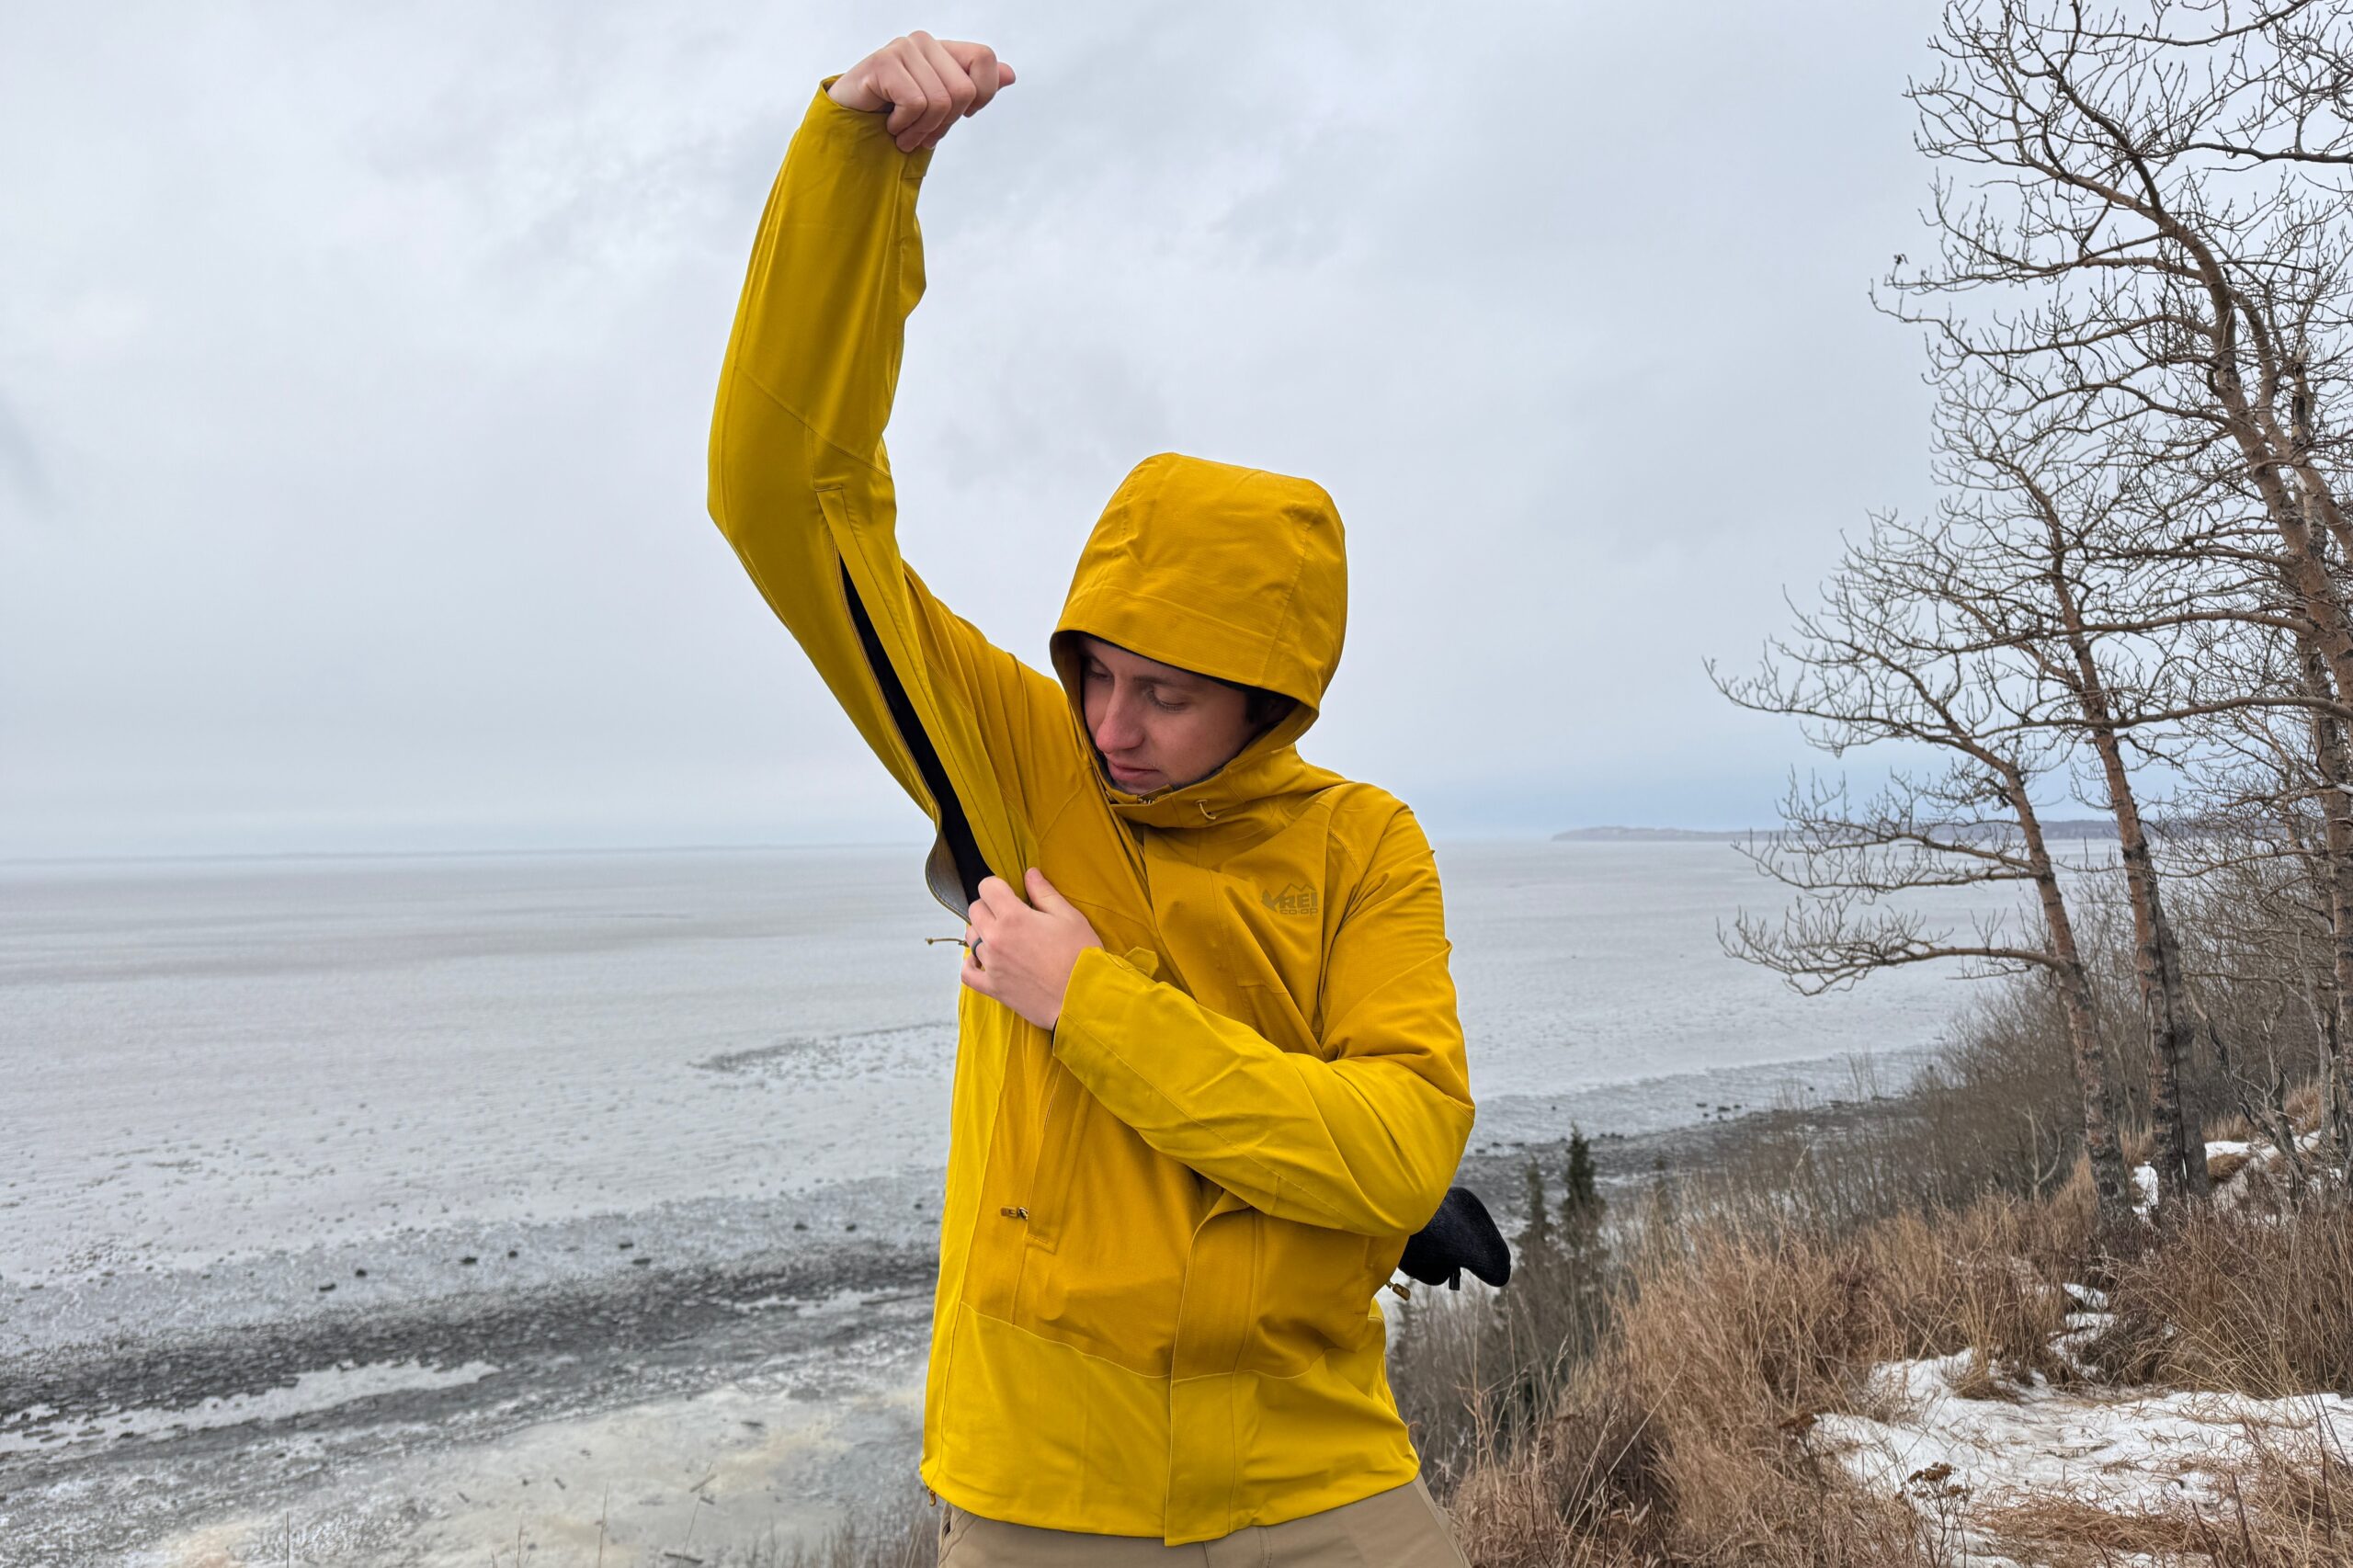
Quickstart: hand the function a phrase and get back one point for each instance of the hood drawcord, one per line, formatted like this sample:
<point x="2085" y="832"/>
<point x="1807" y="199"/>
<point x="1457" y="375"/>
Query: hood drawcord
<point x="1205" y="809"/>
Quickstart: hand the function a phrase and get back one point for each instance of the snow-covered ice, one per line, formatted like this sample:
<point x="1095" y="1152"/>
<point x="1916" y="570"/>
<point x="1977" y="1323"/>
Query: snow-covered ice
<point x="298" y="1149"/>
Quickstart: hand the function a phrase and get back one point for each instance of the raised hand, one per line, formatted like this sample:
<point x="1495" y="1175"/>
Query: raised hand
<point x="927" y="84"/>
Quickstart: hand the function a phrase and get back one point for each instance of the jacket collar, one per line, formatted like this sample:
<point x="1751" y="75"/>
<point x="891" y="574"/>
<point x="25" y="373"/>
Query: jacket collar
<point x="1256" y="781"/>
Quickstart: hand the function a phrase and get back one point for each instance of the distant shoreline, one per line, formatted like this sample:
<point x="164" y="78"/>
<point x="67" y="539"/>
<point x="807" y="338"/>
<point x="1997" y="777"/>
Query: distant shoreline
<point x="1658" y="835"/>
<point x="2070" y="831"/>
<point x="555" y="852"/>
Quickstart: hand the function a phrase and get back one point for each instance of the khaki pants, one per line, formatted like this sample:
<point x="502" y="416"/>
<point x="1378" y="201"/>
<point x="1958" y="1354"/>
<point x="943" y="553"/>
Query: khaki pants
<point x="1398" y="1528"/>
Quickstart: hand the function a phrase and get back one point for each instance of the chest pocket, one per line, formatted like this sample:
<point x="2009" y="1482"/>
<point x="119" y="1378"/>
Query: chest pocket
<point x="1273" y="941"/>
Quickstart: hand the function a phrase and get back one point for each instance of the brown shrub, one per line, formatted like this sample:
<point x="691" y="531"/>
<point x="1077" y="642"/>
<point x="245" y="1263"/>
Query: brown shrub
<point x="2255" y="1302"/>
<point x="1585" y="1489"/>
<point x="1686" y="1440"/>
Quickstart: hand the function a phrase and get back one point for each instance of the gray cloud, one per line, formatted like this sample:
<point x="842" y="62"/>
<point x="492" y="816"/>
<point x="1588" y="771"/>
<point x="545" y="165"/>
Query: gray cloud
<point x="22" y="471"/>
<point x="376" y="349"/>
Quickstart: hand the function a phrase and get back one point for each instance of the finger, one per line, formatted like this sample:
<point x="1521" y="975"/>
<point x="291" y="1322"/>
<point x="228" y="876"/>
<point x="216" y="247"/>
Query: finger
<point x="954" y="78"/>
<point x="975" y="977"/>
<point x="926" y="61"/>
<point x="1044" y="893"/>
<point x="906" y="120"/>
<point x="980" y="63"/>
<point x="897" y="86"/>
<point x="998" y="897"/>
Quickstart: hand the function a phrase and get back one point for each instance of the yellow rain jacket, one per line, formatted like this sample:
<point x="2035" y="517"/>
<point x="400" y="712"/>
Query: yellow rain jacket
<point x="1165" y="1220"/>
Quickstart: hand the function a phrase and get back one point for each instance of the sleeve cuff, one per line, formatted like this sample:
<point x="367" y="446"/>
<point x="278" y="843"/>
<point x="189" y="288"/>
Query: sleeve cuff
<point x="1098" y="982"/>
<point x="860" y="128"/>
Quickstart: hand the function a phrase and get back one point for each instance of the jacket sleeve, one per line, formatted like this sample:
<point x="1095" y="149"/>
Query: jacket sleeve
<point x="1363" y="1135"/>
<point x="800" y="486"/>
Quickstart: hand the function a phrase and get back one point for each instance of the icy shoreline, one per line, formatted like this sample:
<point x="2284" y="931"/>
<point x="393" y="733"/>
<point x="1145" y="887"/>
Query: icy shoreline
<point x="456" y="1380"/>
<point x="238" y="1087"/>
<point x="379" y="1420"/>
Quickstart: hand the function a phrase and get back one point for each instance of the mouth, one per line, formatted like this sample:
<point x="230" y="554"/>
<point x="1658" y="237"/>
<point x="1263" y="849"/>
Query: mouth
<point x="1127" y="778"/>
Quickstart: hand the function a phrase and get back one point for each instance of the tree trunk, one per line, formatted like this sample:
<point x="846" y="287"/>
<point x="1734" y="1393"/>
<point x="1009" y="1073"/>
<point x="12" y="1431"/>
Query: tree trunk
<point x="2336" y="819"/>
<point x="2180" y="1155"/>
<point x="2111" y="1185"/>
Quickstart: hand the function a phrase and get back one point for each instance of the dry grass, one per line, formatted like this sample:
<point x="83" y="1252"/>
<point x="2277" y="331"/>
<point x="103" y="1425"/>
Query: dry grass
<point x="2220" y="1168"/>
<point x="2289" y="1505"/>
<point x="2257" y="1302"/>
<point x="1685" y="1439"/>
<point x="1740" y="1308"/>
<point x="2067" y="1532"/>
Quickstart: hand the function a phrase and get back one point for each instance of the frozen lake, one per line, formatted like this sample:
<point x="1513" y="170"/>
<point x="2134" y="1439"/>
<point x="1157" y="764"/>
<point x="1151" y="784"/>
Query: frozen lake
<point x="208" y="1060"/>
<point x="423" y="1170"/>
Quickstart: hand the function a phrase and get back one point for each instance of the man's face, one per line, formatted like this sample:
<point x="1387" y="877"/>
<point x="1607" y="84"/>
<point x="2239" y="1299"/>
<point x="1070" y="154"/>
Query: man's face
<point x="1158" y="726"/>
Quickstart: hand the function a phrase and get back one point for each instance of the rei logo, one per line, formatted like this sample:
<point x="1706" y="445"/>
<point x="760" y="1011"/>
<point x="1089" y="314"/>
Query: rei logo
<point x="1296" y="898"/>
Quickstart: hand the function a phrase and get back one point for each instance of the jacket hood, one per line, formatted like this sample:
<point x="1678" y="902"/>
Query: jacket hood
<point x="1229" y="572"/>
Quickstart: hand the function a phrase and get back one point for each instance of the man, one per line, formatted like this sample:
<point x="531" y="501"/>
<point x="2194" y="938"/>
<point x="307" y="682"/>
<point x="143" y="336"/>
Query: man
<point x="1210" y="1075"/>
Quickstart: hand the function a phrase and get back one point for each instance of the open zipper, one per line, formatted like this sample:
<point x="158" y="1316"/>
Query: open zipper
<point x="955" y="867"/>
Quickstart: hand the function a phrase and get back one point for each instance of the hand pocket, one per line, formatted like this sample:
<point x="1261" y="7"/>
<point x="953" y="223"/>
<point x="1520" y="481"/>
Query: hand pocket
<point x="954" y="1524"/>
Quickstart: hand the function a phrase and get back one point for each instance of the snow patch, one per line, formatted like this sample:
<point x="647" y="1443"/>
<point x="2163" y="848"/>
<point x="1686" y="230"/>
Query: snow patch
<point x="2130" y="1453"/>
<point x="2125" y="1451"/>
<point x="2256" y="1161"/>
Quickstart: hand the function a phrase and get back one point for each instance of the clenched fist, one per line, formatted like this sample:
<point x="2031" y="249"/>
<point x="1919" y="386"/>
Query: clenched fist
<point x="927" y="84"/>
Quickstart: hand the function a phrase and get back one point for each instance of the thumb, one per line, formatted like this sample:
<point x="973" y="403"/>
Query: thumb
<point x="1041" y="892"/>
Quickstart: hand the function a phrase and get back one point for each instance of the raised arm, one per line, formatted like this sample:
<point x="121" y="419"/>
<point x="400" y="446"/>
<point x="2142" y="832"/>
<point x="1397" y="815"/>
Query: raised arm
<point x="800" y="484"/>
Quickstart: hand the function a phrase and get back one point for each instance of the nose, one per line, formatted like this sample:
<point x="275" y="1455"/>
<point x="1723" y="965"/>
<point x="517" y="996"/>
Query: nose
<point x="1116" y="730"/>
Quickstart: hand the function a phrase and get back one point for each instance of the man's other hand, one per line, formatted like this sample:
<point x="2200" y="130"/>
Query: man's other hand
<point x="927" y="84"/>
<point x="1022" y="953"/>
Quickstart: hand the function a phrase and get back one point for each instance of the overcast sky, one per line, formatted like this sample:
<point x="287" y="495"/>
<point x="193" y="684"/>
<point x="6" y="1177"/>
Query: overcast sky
<point x="356" y="365"/>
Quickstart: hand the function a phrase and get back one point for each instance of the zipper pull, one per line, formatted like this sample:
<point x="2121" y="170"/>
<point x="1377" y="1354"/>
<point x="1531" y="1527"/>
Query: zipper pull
<point x="1015" y="1211"/>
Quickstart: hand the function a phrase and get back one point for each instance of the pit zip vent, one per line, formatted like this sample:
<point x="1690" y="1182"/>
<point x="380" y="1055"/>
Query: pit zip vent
<point x="955" y="830"/>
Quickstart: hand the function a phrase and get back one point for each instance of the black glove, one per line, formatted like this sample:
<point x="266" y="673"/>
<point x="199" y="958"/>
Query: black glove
<point x="1461" y="1235"/>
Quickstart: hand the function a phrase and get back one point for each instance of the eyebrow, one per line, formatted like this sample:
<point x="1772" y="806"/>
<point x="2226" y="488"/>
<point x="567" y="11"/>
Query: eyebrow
<point x="1176" y="682"/>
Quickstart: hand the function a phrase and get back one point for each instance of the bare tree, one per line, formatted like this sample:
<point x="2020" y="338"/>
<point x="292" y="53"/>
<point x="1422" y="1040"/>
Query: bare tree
<point x="2260" y="869"/>
<point x="2141" y="221"/>
<point x="2037" y="549"/>
<point x="1887" y="657"/>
